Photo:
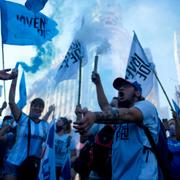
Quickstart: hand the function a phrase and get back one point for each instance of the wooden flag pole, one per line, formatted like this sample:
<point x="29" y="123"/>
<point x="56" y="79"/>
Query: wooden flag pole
<point x="172" y="109"/>
<point x="2" y="50"/>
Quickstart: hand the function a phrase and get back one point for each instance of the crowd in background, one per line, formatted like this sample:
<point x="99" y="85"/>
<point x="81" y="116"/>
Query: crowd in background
<point x="131" y="156"/>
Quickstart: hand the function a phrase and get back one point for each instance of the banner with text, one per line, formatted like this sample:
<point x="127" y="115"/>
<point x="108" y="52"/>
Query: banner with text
<point x="139" y="68"/>
<point x="70" y="65"/>
<point x="23" y="27"/>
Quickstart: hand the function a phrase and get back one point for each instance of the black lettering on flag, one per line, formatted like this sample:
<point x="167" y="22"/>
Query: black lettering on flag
<point x="34" y="22"/>
<point x="137" y="67"/>
<point x="73" y="55"/>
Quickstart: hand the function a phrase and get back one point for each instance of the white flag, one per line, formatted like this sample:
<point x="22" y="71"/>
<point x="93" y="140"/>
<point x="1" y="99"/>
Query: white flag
<point x="70" y="65"/>
<point x="139" y="68"/>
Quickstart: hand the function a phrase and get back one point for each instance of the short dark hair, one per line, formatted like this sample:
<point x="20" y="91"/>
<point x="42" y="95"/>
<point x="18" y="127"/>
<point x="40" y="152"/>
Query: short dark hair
<point x="38" y="101"/>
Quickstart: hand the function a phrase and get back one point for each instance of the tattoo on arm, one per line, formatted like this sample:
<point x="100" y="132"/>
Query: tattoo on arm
<point x="110" y="117"/>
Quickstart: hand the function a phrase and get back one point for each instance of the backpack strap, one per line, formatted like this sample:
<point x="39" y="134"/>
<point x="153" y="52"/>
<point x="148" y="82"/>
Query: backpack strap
<point x="155" y="150"/>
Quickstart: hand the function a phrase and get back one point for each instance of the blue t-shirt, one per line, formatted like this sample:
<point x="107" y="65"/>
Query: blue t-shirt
<point x="174" y="147"/>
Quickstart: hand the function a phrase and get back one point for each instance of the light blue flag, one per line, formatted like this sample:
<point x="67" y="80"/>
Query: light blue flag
<point x="139" y="68"/>
<point x="70" y="65"/>
<point x="22" y="92"/>
<point x="66" y="170"/>
<point x="176" y="107"/>
<point x="35" y="5"/>
<point x="47" y="167"/>
<point x="23" y="27"/>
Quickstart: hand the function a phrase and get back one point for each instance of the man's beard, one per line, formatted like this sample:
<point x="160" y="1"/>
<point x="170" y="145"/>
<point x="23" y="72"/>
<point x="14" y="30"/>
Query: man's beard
<point x="124" y="104"/>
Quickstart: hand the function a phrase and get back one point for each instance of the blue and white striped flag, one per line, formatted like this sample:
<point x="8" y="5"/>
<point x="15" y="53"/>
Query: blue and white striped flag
<point x="47" y="168"/>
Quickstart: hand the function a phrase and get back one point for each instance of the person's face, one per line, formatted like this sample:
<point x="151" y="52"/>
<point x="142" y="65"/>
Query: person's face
<point x="36" y="110"/>
<point x="59" y="125"/>
<point x="59" y="122"/>
<point x="126" y="95"/>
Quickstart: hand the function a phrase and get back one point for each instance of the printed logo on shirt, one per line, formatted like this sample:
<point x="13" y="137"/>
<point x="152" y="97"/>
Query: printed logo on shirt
<point x="122" y="132"/>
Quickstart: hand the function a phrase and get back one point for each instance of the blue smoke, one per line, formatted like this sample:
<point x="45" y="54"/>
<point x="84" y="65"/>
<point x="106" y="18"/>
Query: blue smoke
<point x="43" y="59"/>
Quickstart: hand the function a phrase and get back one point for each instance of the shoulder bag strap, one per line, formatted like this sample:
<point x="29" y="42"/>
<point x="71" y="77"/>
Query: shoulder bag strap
<point x="154" y="150"/>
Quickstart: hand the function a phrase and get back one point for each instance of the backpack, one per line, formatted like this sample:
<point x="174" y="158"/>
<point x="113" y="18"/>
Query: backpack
<point x="96" y="154"/>
<point x="161" y="150"/>
<point x="82" y="164"/>
<point x="102" y="151"/>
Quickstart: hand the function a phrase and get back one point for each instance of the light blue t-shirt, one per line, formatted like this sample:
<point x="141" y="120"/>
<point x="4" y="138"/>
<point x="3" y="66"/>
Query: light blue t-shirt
<point x="62" y="150"/>
<point x="38" y="135"/>
<point x="130" y="161"/>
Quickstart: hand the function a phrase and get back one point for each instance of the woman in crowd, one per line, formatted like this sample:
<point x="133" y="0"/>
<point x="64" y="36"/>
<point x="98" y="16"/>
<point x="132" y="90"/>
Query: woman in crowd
<point x="62" y="144"/>
<point x="31" y="133"/>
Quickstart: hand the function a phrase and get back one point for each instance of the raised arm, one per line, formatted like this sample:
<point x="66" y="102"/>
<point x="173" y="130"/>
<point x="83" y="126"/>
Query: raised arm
<point x="101" y="97"/>
<point x="113" y="116"/>
<point x="13" y="106"/>
<point x="50" y="110"/>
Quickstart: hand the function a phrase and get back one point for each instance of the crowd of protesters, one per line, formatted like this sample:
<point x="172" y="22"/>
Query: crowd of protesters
<point x="23" y="136"/>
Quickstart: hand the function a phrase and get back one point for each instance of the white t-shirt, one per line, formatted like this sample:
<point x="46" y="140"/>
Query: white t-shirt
<point x="38" y="135"/>
<point x="129" y="158"/>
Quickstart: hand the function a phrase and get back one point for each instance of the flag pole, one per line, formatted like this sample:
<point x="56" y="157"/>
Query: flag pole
<point x="79" y="87"/>
<point x="79" y="115"/>
<point x="172" y="109"/>
<point x="2" y="50"/>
